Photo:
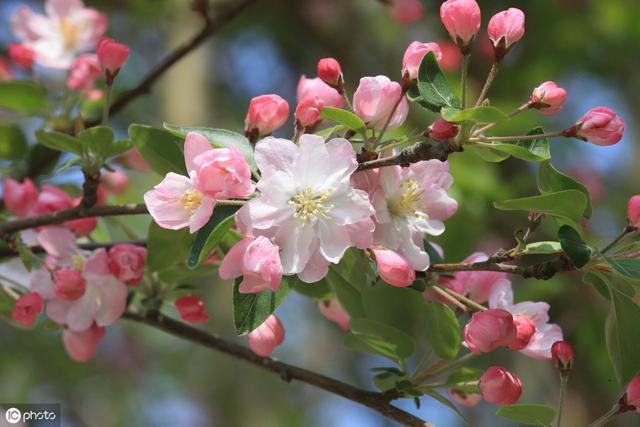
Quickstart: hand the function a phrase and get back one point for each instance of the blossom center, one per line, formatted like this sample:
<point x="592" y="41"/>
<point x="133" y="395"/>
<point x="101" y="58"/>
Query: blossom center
<point x="310" y="205"/>
<point x="77" y="262"/>
<point x="70" y="32"/>
<point x="408" y="202"/>
<point x="190" y="200"/>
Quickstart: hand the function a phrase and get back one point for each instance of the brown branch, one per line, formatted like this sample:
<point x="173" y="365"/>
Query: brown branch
<point x="379" y="402"/>
<point x="423" y="150"/>
<point x="543" y="271"/>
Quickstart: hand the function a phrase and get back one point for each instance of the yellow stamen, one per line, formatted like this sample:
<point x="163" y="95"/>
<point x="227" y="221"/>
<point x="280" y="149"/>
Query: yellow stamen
<point x="310" y="205"/>
<point x="77" y="262"/>
<point x="190" y="200"/>
<point x="408" y="201"/>
<point x="70" y="32"/>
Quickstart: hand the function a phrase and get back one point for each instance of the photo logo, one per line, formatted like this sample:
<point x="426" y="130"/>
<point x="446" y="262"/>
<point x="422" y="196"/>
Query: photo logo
<point x="13" y="415"/>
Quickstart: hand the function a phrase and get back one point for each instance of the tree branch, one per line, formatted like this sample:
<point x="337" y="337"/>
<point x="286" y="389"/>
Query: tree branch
<point x="379" y="402"/>
<point x="423" y="150"/>
<point x="543" y="271"/>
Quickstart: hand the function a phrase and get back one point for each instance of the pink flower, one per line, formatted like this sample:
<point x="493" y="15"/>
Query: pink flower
<point x="19" y="197"/>
<point x="599" y="126"/>
<point x="329" y="71"/>
<point x="479" y="284"/>
<point x="451" y="57"/>
<point x="81" y="345"/>
<point x="134" y="160"/>
<point x="5" y="70"/>
<point x="317" y="88"/>
<point x="406" y="11"/>
<point x="191" y="309"/>
<point x="393" y="268"/>
<point x="308" y="111"/>
<point x="266" y="113"/>
<point x="333" y="310"/>
<point x="126" y="262"/>
<point x="51" y="199"/>
<point x="461" y="18"/>
<point x="525" y="329"/>
<point x="442" y="130"/>
<point x="115" y="182"/>
<point x="21" y="55"/>
<point x="27" y="309"/>
<point x="258" y="260"/>
<point x="83" y="72"/>
<point x="374" y="99"/>
<point x="267" y="337"/>
<point x="464" y="398"/>
<point x="222" y="172"/>
<point x="112" y="56"/>
<point x="500" y="387"/>
<point x="68" y="29"/>
<point x="488" y="330"/>
<point x="548" y="98"/>
<point x="505" y="29"/>
<point x="562" y="355"/>
<point x="307" y="205"/>
<point x="82" y="226"/>
<point x="413" y="57"/>
<point x="633" y="211"/>
<point x="633" y="393"/>
<point x="69" y="284"/>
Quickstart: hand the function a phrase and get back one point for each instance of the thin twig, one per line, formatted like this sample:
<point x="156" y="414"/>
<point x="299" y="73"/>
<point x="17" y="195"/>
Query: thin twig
<point x="487" y="84"/>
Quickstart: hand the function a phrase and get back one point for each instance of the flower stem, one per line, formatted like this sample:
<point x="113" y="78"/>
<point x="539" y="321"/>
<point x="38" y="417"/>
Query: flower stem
<point x="518" y="138"/>
<point x="513" y="113"/>
<point x="106" y="106"/>
<point x="563" y="391"/>
<point x="487" y="84"/>
<point x="606" y="417"/>
<point x="463" y="82"/>
<point x="393" y="111"/>
<point x="625" y="233"/>
<point x="468" y="301"/>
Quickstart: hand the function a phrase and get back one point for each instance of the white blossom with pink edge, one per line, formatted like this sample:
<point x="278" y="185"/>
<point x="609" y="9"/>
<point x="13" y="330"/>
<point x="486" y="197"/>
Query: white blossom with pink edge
<point x="68" y="29"/>
<point x="546" y="334"/>
<point x="307" y="205"/>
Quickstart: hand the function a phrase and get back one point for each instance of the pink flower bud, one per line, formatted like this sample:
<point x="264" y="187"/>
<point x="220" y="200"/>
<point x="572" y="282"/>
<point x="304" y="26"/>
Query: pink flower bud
<point x="505" y="29"/>
<point x="547" y="98"/>
<point x="82" y="226"/>
<point x="461" y="18"/>
<point x="267" y="337"/>
<point x="406" y="11"/>
<point x="633" y="393"/>
<point x="464" y="398"/>
<point x="51" y="199"/>
<point x="488" y="330"/>
<point x="374" y="100"/>
<point x="633" y="211"/>
<point x="134" y="160"/>
<point x="599" y="126"/>
<point x="115" y="182"/>
<point x="330" y="72"/>
<point x="393" y="268"/>
<point x="126" y="262"/>
<point x="500" y="387"/>
<point x="258" y="260"/>
<point x="83" y="72"/>
<point x="27" y="309"/>
<point x="191" y="309"/>
<point x="308" y="111"/>
<point x="525" y="328"/>
<point x="316" y="87"/>
<point x="562" y="354"/>
<point x="442" y="130"/>
<point x="81" y="346"/>
<point x="112" y="56"/>
<point x="333" y="310"/>
<point x="413" y="57"/>
<point x="69" y="284"/>
<point x="22" y="55"/>
<point x="266" y="114"/>
<point x="19" y="197"/>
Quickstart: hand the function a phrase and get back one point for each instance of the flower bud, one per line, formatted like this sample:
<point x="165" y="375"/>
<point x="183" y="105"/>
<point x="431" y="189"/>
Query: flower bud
<point x="126" y="262"/>
<point x="191" y="309"/>
<point x="393" y="268"/>
<point x="258" y="260"/>
<point x="633" y="211"/>
<point x="633" y="393"/>
<point x="267" y="337"/>
<point x="116" y="182"/>
<point x="19" y="197"/>
<point x="406" y="11"/>
<point x="333" y="310"/>
<point x="374" y="100"/>
<point x="81" y="345"/>
<point x="27" y="309"/>
<point x="500" y="387"/>
<point x="330" y="72"/>
<point x="51" y="199"/>
<point x="112" y="56"/>
<point x="547" y="98"/>
<point x="83" y="72"/>
<point x="22" y="55"/>
<point x="308" y="111"/>
<point x="69" y="284"/>
<point x="461" y="18"/>
<point x="442" y="130"/>
<point x="266" y="113"/>
<point x="562" y="355"/>
<point x="413" y="57"/>
<point x="599" y="126"/>
<point x="490" y="329"/>
<point x="505" y="29"/>
<point x="525" y="328"/>
<point x="464" y="398"/>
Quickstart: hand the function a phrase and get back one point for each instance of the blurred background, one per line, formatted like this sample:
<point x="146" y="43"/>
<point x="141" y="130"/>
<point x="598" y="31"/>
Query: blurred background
<point x="145" y="378"/>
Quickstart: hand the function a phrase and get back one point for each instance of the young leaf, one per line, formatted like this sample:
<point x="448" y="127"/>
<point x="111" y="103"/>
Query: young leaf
<point x="97" y="141"/>
<point x="209" y="236"/>
<point x="621" y="329"/>
<point x="399" y="307"/>
<point x="166" y="248"/>
<point x="347" y="279"/>
<point x="160" y="148"/>
<point x="432" y="84"/>
<point x="251" y="310"/>
<point x="626" y="267"/>
<point x="475" y="114"/>
<point x="530" y="150"/>
<point x="529" y="414"/>
<point x="573" y="245"/>
<point x="13" y="143"/>
<point x="542" y="248"/>
<point x="550" y="180"/>
<point x="443" y="330"/>
<point x="23" y="97"/>
<point x="466" y="379"/>
<point x="319" y="291"/>
<point x="487" y="152"/>
<point x="375" y="337"/>
<point x="343" y="117"/>
<point x="59" y="141"/>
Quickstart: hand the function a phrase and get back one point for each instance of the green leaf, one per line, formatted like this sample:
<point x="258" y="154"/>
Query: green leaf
<point x="97" y="141"/>
<point x="23" y="97"/>
<point x="13" y="143"/>
<point x="626" y="267"/>
<point x="166" y="248"/>
<point x="219" y="138"/>
<point x="398" y="307"/>
<point x="567" y="205"/>
<point x="573" y="245"/>
<point x="209" y="236"/>
<point x="319" y="291"/>
<point x="443" y="330"/>
<point x="251" y="310"/>
<point x="487" y="152"/>
<point x="160" y="148"/>
<point x="621" y="335"/>
<point x="475" y="114"/>
<point x="370" y="336"/>
<point x="59" y="141"/>
<point x="466" y="379"/>
<point x="343" y="117"/>
<point x="433" y="87"/>
<point x="347" y="279"/>
<point x="529" y="414"/>
<point x="530" y="150"/>
<point x="117" y="148"/>
<point x="449" y="404"/>
<point x="542" y="248"/>
<point x="550" y="180"/>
